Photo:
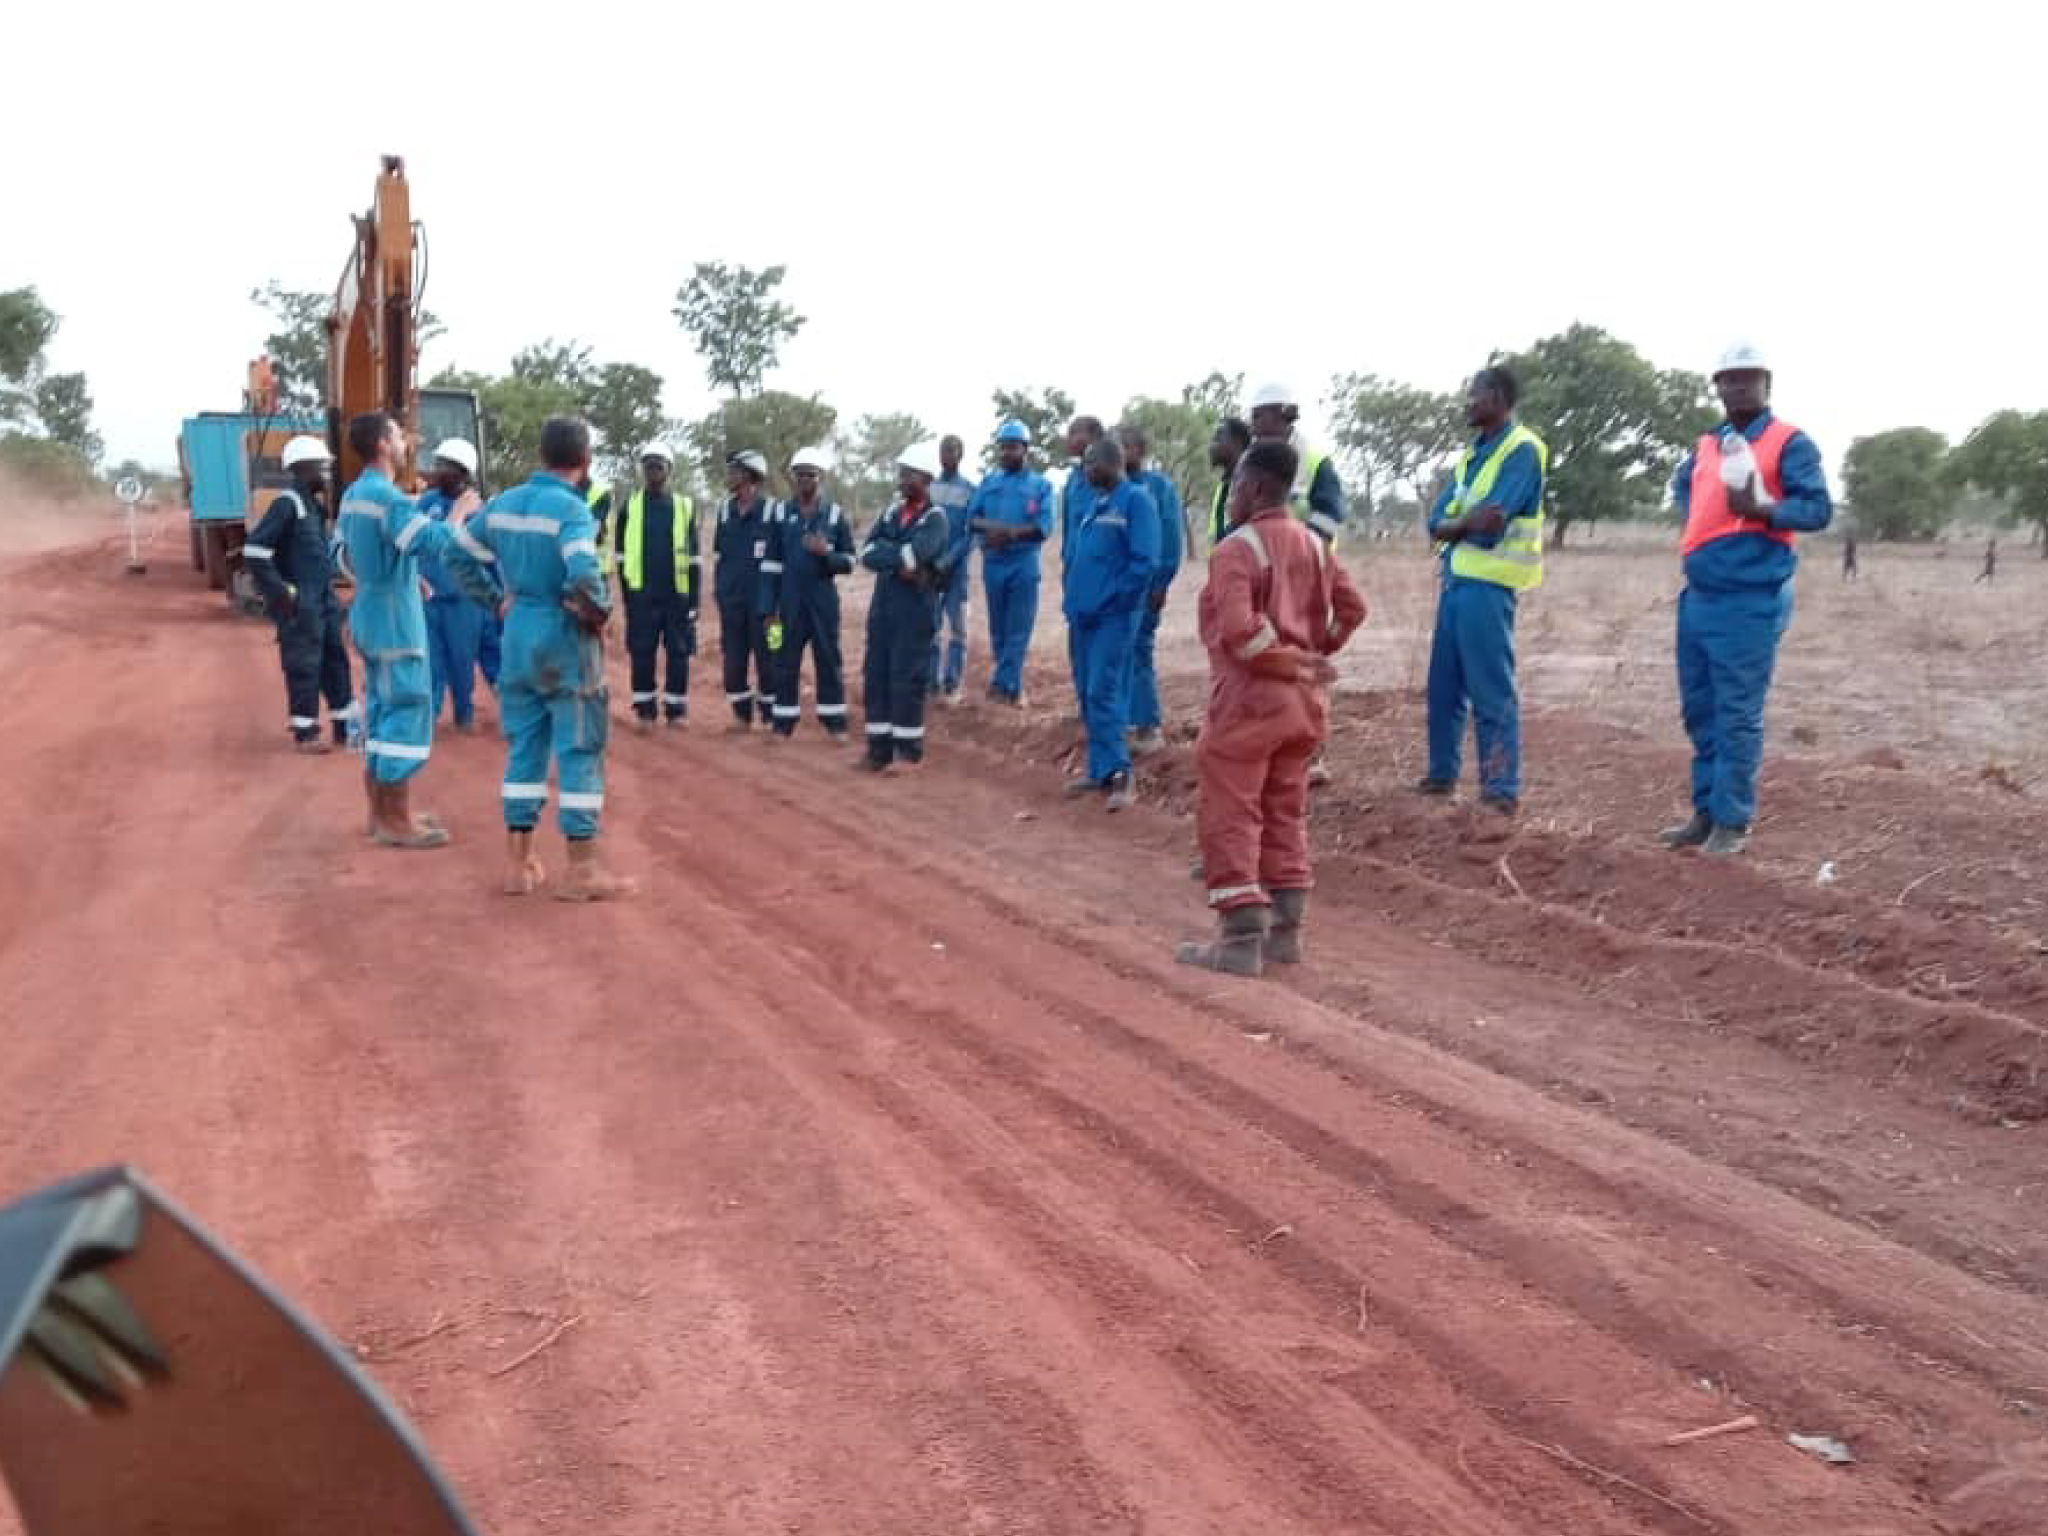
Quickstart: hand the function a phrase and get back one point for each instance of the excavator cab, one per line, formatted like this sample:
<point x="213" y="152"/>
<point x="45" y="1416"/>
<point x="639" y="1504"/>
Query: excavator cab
<point x="152" y="1384"/>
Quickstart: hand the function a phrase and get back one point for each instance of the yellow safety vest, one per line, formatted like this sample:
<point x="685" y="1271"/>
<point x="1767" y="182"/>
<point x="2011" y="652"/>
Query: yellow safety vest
<point x="636" y="543"/>
<point x="1516" y="562"/>
<point x="1297" y="501"/>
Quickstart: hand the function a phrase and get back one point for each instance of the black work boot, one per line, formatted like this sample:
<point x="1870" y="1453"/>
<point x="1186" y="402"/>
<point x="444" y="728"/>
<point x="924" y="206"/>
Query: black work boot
<point x="1687" y="834"/>
<point x="1238" y="947"/>
<point x="1283" y="937"/>
<point x="1439" y="789"/>
<point x="1725" y="841"/>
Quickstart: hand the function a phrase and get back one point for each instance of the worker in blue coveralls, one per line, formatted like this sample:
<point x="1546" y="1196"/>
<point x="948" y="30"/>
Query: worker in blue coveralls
<point x="952" y="491"/>
<point x="817" y="551"/>
<point x="534" y="549"/>
<point x="904" y="549"/>
<point x="1745" y="492"/>
<point x="455" y="623"/>
<point x="1083" y="432"/>
<point x="1488" y="524"/>
<point x="287" y="557"/>
<point x="1145" y="717"/>
<point x="1011" y="515"/>
<point x="1109" y="574"/>
<point x="383" y="534"/>
<point x="741" y="541"/>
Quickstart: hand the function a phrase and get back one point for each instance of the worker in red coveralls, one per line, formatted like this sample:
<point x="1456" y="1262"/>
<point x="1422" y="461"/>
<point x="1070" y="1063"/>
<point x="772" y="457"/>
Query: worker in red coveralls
<point x="1277" y="606"/>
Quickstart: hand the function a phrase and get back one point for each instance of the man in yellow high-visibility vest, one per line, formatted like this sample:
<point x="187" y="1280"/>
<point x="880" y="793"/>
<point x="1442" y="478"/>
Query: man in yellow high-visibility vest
<point x="655" y="539"/>
<point x="1488" y="522"/>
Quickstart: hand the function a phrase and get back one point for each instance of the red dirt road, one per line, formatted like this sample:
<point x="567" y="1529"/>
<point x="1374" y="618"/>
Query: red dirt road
<point x="892" y="1180"/>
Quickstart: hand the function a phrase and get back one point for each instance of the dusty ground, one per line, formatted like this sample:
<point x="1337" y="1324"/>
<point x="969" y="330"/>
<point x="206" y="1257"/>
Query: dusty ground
<point x="900" y="1184"/>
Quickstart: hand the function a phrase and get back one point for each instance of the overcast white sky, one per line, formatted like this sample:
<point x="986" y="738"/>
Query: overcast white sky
<point x="1280" y="190"/>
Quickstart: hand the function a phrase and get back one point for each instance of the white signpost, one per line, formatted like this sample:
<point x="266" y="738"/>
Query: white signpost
<point x="129" y="491"/>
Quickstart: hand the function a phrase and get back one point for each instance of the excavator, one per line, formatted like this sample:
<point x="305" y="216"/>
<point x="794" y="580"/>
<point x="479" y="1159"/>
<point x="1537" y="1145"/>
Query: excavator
<point x="230" y="459"/>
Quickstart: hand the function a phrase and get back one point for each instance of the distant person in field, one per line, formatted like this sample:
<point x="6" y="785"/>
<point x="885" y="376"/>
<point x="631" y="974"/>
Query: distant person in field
<point x="287" y="557"/>
<point x="1849" y="556"/>
<point x="1488" y="525"/>
<point x="1278" y="603"/>
<point x="1990" y="571"/>
<point x="1746" y="491"/>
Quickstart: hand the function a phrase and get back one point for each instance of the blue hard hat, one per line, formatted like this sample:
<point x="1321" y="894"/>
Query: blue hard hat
<point x="1012" y="431"/>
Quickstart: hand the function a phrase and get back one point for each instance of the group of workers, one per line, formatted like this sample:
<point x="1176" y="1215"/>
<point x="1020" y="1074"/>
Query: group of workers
<point x="1276" y="606"/>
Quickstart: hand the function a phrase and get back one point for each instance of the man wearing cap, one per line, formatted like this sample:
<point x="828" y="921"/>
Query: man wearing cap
<point x="742" y="545"/>
<point x="1488" y="524"/>
<point x="286" y="556"/>
<point x="816" y="551"/>
<point x="455" y="624"/>
<point x="903" y="549"/>
<point x="1144" y="707"/>
<point x="1745" y="492"/>
<point x="1115" y="551"/>
<point x="1317" y="496"/>
<point x="1011" y="515"/>
<point x="654" y="539"/>
<point x="383" y="534"/>
<point x="952" y="491"/>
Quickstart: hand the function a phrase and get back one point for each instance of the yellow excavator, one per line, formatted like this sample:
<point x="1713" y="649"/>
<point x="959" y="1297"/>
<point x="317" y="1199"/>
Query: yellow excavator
<point x="230" y="459"/>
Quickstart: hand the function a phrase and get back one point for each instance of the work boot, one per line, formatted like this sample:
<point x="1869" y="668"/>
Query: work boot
<point x="1123" y="793"/>
<point x="1318" y="772"/>
<point x="739" y="727"/>
<point x="904" y="767"/>
<point x="397" y="827"/>
<point x="587" y="880"/>
<point x="643" y="724"/>
<point x="1725" y="841"/>
<point x="339" y="728"/>
<point x="1501" y="805"/>
<point x="1688" y="834"/>
<point x="1283" y="938"/>
<point x="310" y="746"/>
<point x="1437" y="789"/>
<point x="1078" y="786"/>
<point x="524" y="872"/>
<point x="1237" y="948"/>
<point x="1147" y="740"/>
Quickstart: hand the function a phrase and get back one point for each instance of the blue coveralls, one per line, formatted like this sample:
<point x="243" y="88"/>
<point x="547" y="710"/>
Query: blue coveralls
<point x="1144" y="671"/>
<point x="455" y="625"/>
<point x="806" y="595"/>
<point x="745" y="543"/>
<point x="1472" y="653"/>
<point x="1115" y="550"/>
<point x="1020" y="499"/>
<point x="903" y="549"/>
<point x="1076" y="496"/>
<point x="1735" y="607"/>
<point x="538" y="542"/>
<point x="383" y="534"/>
<point x="952" y="494"/>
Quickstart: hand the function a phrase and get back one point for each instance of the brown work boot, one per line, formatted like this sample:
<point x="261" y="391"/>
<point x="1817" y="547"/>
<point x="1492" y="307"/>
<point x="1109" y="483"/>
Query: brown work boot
<point x="397" y="827"/>
<point x="1283" y="937"/>
<point x="1237" y="949"/>
<point x="587" y="880"/>
<point x="524" y="872"/>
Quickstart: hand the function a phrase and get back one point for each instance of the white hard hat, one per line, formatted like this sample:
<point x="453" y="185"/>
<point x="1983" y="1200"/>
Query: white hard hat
<point x="1272" y="393"/>
<point x="304" y="449"/>
<point x="922" y="458"/>
<point x="811" y="458"/>
<point x="458" y="450"/>
<point x="749" y="459"/>
<point x="1742" y="355"/>
<point x="659" y="451"/>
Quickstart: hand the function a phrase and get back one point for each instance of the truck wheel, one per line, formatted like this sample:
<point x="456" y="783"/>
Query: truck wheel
<point x="198" y="545"/>
<point x="216" y="558"/>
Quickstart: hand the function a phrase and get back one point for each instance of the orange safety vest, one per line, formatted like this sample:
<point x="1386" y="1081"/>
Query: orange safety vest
<point x="1708" y="517"/>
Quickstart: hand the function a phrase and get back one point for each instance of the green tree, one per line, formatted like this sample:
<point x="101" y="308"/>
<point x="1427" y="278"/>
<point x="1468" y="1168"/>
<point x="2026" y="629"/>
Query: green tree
<point x="1393" y="436"/>
<point x="736" y="322"/>
<point x="1897" y="485"/>
<point x="64" y="406"/>
<point x="773" y="423"/>
<point x="26" y="329"/>
<point x="1616" y="425"/>
<point x="623" y="405"/>
<point x="1178" y="432"/>
<point x="2007" y="457"/>
<point x="867" y="460"/>
<point x="1045" y="414"/>
<point x="297" y="345"/>
<point x="49" y="415"/>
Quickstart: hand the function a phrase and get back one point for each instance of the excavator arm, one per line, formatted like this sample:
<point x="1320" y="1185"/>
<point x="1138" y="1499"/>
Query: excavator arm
<point x="373" y="332"/>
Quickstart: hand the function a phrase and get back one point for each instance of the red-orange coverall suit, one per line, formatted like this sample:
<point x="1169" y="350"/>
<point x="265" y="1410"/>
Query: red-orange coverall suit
<point x="1271" y="582"/>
